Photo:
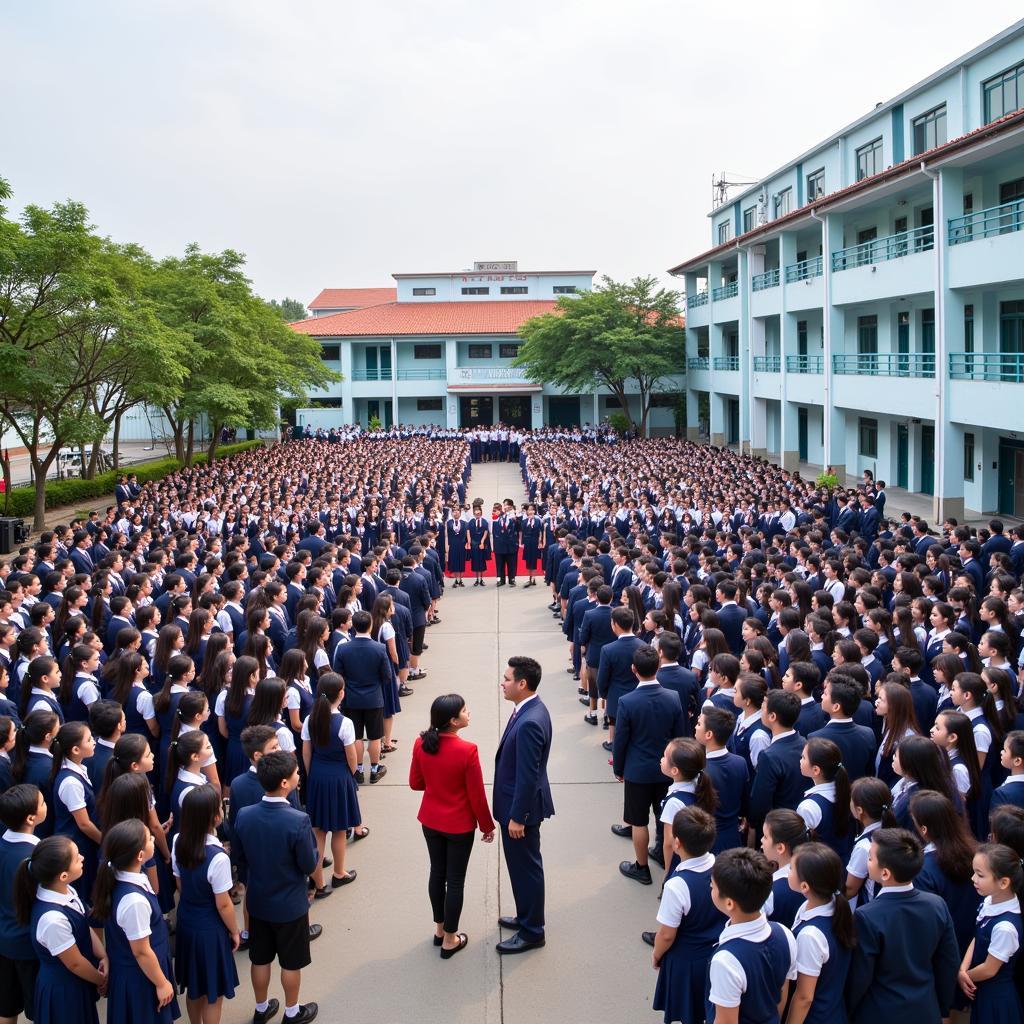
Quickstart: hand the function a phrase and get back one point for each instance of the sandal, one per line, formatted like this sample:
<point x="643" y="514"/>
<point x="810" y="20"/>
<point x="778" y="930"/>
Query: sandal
<point x="463" y="942"/>
<point x="387" y="749"/>
<point x="357" y="835"/>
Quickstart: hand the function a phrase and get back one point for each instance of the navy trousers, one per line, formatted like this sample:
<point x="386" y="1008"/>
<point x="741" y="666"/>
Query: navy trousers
<point x="526" y="873"/>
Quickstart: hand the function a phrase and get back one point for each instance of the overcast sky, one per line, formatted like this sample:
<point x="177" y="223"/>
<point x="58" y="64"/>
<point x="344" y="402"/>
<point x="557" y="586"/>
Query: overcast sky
<point x="335" y="143"/>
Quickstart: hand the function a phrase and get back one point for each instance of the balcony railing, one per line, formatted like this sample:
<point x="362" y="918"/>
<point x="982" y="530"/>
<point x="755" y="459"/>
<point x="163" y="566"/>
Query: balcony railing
<point x="384" y="374"/>
<point x="726" y="363"/>
<point x="438" y="373"/>
<point x="697" y="363"/>
<point x="890" y="247"/>
<point x="886" y="364"/>
<point x="769" y="279"/>
<point x="996" y="220"/>
<point x="488" y="373"/>
<point x="726" y="291"/>
<point x="805" y="364"/>
<point x="767" y="364"/>
<point x="697" y="299"/>
<point x="804" y="270"/>
<point x="1007" y="367"/>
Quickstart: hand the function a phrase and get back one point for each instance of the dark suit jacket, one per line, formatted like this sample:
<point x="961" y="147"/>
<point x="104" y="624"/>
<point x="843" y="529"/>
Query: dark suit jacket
<point x="596" y="632"/>
<point x="366" y="668"/>
<point x="856" y="743"/>
<point x="419" y="596"/>
<point x="647" y="719"/>
<point x="521" y="790"/>
<point x="777" y="781"/>
<point x="730" y="620"/>
<point x="684" y="684"/>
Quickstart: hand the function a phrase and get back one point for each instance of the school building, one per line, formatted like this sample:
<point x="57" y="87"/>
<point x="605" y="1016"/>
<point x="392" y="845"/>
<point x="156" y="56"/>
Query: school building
<point x="438" y="347"/>
<point x="863" y="305"/>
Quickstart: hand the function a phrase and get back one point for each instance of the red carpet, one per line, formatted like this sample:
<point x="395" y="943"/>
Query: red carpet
<point x="490" y="572"/>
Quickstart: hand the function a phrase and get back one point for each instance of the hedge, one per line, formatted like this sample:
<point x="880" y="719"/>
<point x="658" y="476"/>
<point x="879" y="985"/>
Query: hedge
<point x="72" y="492"/>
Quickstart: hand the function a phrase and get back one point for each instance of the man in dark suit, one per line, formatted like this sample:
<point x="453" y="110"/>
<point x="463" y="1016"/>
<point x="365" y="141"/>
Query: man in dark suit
<point x="315" y="542"/>
<point x="522" y="800"/>
<point x="970" y="550"/>
<point x="647" y="719"/>
<point x="80" y="557"/>
<point x="730" y="616"/>
<point x="678" y="679"/>
<point x="777" y="781"/>
<point x="615" y="671"/>
<point x="415" y="586"/>
<point x="595" y="633"/>
<point x="870" y="517"/>
<point x="505" y="540"/>
<point x="840" y="698"/>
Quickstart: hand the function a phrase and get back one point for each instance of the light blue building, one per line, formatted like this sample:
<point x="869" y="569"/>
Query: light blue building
<point x="438" y="348"/>
<point x="863" y="306"/>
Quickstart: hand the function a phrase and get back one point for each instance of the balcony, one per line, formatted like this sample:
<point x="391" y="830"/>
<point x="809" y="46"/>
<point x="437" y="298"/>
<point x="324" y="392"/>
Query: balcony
<point x="767" y="364"/>
<point x="488" y="375"/>
<point x="697" y="363"/>
<point x="697" y="299"/>
<point x="996" y="220"/>
<point x="438" y="373"/>
<point x="804" y="270"/>
<point x="726" y="291"/>
<point x="805" y="364"/>
<point x="879" y="250"/>
<point x="726" y="363"/>
<point x="1003" y="367"/>
<point x="885" y="364"/>
<point x="769" y="279"/>
<point x="382" y="374"/>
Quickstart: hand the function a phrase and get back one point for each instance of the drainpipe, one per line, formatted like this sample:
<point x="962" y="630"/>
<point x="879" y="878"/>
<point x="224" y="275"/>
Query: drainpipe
<point x="826" y="335"/>
<point x="938" y="221"/>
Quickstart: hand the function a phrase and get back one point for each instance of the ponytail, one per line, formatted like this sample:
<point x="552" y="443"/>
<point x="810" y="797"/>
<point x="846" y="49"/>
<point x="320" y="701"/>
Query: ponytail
<point x="328" y="688"/>
<point x="121" y="848"/>
<point x="36" y="727"/>
<point x="873" y="796"/>
<point x="818" y="866"/>
<point x="689" y="758"/>
<point x="787" y="828"/>
<point x="50" y="858"/>
<point x="128" y="750"/>
<point x="825" y="755"/>
<point x="180" y="754"/>
<point x="1004" y="863"/>
<point x="78" y="657"/>
<point x="190" y="705"/>
<point x="37" y="668"/>
<point x="69" y="736"/>
<point x="442" y="711"/>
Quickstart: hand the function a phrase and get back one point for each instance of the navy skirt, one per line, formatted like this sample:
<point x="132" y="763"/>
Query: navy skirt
<point x="332" y="797"/>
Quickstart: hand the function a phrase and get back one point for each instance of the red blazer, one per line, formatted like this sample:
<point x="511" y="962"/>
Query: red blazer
<point x="453" y="786"/>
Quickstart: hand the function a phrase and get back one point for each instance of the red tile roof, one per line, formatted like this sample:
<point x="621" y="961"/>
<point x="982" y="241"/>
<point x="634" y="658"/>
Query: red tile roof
<point x="357" y="298"/>
<point x="425" y="318"/>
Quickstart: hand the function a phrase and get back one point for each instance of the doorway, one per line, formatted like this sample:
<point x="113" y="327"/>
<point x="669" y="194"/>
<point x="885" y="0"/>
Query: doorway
<point x="902" y="456"/>
<point x="563" y="411"/>
<point x="733" y="415"/>
<point x="514" y="410"/>
<point x="476" y="410"/>
<point x="1011" y="477"/>
<point x="801" y="432"/>
<point x="927" y="460"/>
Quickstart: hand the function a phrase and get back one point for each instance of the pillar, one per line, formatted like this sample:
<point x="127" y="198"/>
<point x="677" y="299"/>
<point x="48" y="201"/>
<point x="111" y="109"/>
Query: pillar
<point x="348" y="412"/>
<point x="746" y="371"/>
<point x="716" y="404"/>
<point x="759" y="428"/>
<point x="833" y="320"/>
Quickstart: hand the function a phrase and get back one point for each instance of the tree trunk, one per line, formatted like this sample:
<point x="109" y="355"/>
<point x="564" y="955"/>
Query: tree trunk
<point x="190" y="448"/>
<point x="178" y="429"/>
<point x="214" y="441"/>
<point x="89" y="472"/>
<point x="39" y="514"/>
<point x="5" y="459"/>
<point x="117" y="439"/>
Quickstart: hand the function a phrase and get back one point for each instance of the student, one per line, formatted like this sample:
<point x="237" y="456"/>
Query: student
<point x="207" y="933"/>
<point x="32" y="761"/>
<point x="74" y="800"/>
<point x="41" y="687"/>
<point x="689" y="923"/>
<point x="755" y="960"/>
<point x="904" y="964"/>
<point x="107" y="722"/>
<point x="826" y="806"/>
<point x="952" y="732"/>
<point x="871" y="804"/>
<point x="192" y="716"/>
<point x="778" y="782"/>
<point x="1012" y="759"/>
<point x="141" y="986"/>
<point x="79" y="687"/>
<point x="823" y="929"/>
<point x="275" y="844"/>
<point x="232" y="710"/>
<point x="751" y="736"/>
<point x="840" y="699"/>
<point x="784" y="831"/>
<point x="729" y="774"/>
<point x="21" y="809"/>
<point x="73" y="968"/>
<point x="895" y="707"/>
<point x="803" y="678"/>
<point x="685" y="763"/>
<point x="723" y="671"/>
<point x="184" y="769"/>
<point x="986" y="972"/>
<point x="8" y="737"/>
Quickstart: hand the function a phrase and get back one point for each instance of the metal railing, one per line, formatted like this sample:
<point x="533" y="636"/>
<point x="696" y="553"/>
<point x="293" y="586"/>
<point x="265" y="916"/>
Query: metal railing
<point x="996" y="220"/>
<point x="1007" y="367"/>
<point x="767" y="364"/>
<point x="438" y="373"/>
<point x="805" y="364"/>
<point x="885" y="364"/>
<point x="804" y="270"/>
<point x="697" y="299"/>
<point x="769" y="279"/>
<point x="726" y="291"/>
<point x="697" y="363"/>
<point x="371" y="374"/>
<point x="889" y="247"/>
<point x="726" y="363"/>
<point x="488" y="373"/>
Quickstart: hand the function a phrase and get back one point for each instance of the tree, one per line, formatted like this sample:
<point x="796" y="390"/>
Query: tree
<point x="289" y="310"/>
<point x="617" y="334"/>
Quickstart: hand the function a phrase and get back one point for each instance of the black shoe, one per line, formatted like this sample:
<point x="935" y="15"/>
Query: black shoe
<point x="323" y="893"/>
<point x="508" y="922"/>
<point x="517" y="944"/>
<point x="582" y="691"/>
<point x="511" y="583"/>
<point x="376" y="776"/>
<point x="327" y="862"/>
<point x="426" y="647"/>
<point x="438" y="939"/>
<point x="623" y="831"/>
<point x="360" y="777"/>
<point x="590" y="719"/>
<point x="585" y="701"/>
<point x="243" y="945"/>
<point x="307" y="1012"/>
<point x="337" y="881"/>
<point x="605" y="723"/>
<point x="447" y="954"/>
<point x="315" y="931"/>
<point x="553" y="605"/>
<point x="648" y="937"/>
<point x="638" y="872"/>
<point x="607" y="746"/>
<point x="576" y="677"/>
<point x="658" y="856"/>
<point x="272" y="1008"/>
<point x="406" y="691"/>
<point x="501" y="583"/>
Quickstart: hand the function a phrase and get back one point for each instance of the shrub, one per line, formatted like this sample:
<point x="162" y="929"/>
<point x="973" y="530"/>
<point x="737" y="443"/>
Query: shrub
<point x="827" y="480"/>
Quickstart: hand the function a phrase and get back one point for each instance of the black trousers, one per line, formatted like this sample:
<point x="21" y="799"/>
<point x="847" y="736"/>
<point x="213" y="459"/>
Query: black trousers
<point x="505" y="565"/>
<point x="449" y="857"/>
<point x="526" y="873"/>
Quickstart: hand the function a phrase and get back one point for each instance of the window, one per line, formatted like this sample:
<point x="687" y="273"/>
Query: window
<point x="815" y="185"/>
<point x="330" y="353"/>
<point x="968" y="456"/>
<point x="612" y="402"/>
<point x="801" y="337"/>
<point x="1004" y="93"/>
<point x="429" y="404"/>
<point x="928" y="330"/>
<point x="783" y="202"/>
<point x="564" y="289"/>
<point x="665" y="400"/>
<point x="869" y="159"/>
<point x="509" y="351"/>
<point x="426" y="351"/>
<point x="867" y="335"/>
<point x="867" y="434"/>
<point x="476" y="291"/>
<point x="424" y="291"/>
<point x="515" y="289"/>
<point x="479" y="351"/>
<point x="749" y="219"/>
<point x="724" y="232"/>
<point x="929" y="129"/>
<point x="969" y="328"/>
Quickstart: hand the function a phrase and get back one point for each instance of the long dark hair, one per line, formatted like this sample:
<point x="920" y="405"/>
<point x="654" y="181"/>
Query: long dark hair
<point x="69" y="736"/>
<point x="127" y="667"/>
<point x="824" y="754"/>
<point x="242" y="671"/>
<point x="1004" y="863"/>
<point x="267" y="702"/>
<point x="177" y="668"/>
<point x="128" y="750"/>
<point x="37" y="668"/>
<point x="959" y="725"/>
<point x="899" y="717"/>
<point x="125" y="798"/>
<point x="818" y="866"/>
<point x="166" y="640"/>
<point x="80" y="654"/>
<point x="50" y="858"/>
<point x="787" y="828"/>
<point x="328" y="689"/>
<point x="199" y="812"/>
<point x="180" y="753"/>
<point x="121" y="848"/>
<point x="33" y="731"/>
<point x="954" y="844"/>
<point x="443" y="709"/>
<point x="689" y="758"/>
<point x="874" y="797"/>
<point x="209" y="681"/>
<point x="926" y="764"/>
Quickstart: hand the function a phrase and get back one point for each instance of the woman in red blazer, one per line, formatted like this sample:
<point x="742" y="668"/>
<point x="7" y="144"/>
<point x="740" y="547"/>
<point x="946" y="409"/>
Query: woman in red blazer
<point x="447" y="770"/>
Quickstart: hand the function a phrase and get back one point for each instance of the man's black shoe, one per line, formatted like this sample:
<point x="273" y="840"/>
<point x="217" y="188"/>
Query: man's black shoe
<point x="623" y="831"/>
<point x="406" y="691"/>
<point x="501" y="583"/>
<point x="272" y="1007"/>
<point x="517" y="944"/>
<point x="658" y="856"/>
<point x="360" y="777"/>
<point x="638" y="872"/>
<point x="376" y="776"/>
<point x="607" y="746"/>
<point x="648" y="937"/>
<point x="307" y="1012"/>
<point x="590" y="719"/>
<point x="315" y="931"/>
<point x="508" y="922"/>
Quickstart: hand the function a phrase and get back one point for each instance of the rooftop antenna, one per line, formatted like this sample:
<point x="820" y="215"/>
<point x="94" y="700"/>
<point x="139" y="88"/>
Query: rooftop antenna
<point x="720" y="187"/>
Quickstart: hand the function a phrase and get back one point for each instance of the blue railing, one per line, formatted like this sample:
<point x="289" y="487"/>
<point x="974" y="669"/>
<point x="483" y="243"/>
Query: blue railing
<point x="371" y="374"/>
<point x="805" y="364"/>
<point x="439" y="373"/>
<point x="767" y="364"/>
<point x="996" y="220"/>
<point x="804" y="270"/>
<point x="1007" y="367"/>
<point x="890" y="247"/>
<point x="726" y="363"/>
<point x="769" y="279"/>
<point x="697" y="299"/>
<point x="697" y="363"/>
<point x="727" y="291"/>
<point x="886" y="364"/>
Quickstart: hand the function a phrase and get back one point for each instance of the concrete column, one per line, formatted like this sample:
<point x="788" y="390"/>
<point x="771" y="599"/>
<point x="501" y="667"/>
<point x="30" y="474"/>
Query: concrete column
<point x="596" y="415"/>
<point x="348" y="411"/>
<point x="759" y="428"/>
<point x="394" y="381"/>
<point x="790" y="436"/>
<point x="692" y="415"/>
<point x="833" y="321"/>
<point x="716" y="408"/>
<point x="536" y="410"/>
<point x="746" y="372"/>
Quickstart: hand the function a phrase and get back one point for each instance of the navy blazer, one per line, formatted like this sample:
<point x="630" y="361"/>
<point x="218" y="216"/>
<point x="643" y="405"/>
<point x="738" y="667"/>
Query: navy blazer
<point x="419" y="595"/>
<point x="274" y="843"/>
<point x="596" y="632"/>
<point x="730" y="620"/>
<point x="366" y="668"/>
<point x="505" y="538"/>
<point x="521" y="790"/>
<point x="856" y="743"/>
<point x="684" y="683"/>
<point x="615" y="671"/>
<point x="777" y="781"/>
<point x="647" y="719"/>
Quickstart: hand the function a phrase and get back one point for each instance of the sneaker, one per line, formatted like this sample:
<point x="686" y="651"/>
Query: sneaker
<point x="377" y="774"/>
<point x="360" y="777"/>
<point x="261" y="1018"/>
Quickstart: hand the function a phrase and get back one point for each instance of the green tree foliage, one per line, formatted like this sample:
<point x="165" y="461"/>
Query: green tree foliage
<point x="617" y="335"/>
<point x="289" y="310"/>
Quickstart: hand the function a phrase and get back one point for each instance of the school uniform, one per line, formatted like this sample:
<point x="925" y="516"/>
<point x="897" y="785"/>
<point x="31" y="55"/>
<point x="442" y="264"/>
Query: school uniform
<point x="479" y="531"/>
<point x="235" y="760"/>
<point x="818" y="809"/>
<point x="138" y="710"/>
<point x="684" y="683"/>
<point x="43" y="700"/>
<point x="858" y="863"/>
<point x="615" y="672"/>
<point x="203" y="958"/>
<point x="246" y="791"/>
<point x="961" y="897"/>
<point x="38" y="766"/>
<point x="332" y="798"/>
<point x="686" y="905"/>
<point x="730" y="774"/>
<point x="456" y="542"/>
<point x="19" y="964"/>
<point x="73" y="791"/>
<point x="531" y="531"/>
<point x="777" y="781"/>
<point x="997" y="934"/>
<point x="782" y="903"/>
<point x="750" y="737"/>
<point x="85" y="692"/>
<point x="1010" y="792"/>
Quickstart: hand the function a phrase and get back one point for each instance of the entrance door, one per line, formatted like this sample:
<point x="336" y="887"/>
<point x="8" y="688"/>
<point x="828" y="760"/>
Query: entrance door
<point x="514" y="410"/>
<point x="927" y="460"/>
<point x="902" y="456"/>
<point x="1011" y="477"/>
<point x="801" y="432"/>
<point x="476" y="410"/>
<point x="734" y="422"/>
<point x="563" y="411"/>
<point x="903" y="343"/>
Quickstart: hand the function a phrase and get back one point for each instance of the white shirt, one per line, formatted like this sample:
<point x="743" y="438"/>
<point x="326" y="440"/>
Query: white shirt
<point x="53" y="929"/>
<point x="346" y="732"/>
<point x="193" y="779"/>
<point x="728" y="979"/>
<point x="811" y="944"/>
<point x="809" y="810"/>
<point x="858" y="865"/>
<point x="134" y="911"/>
<point x="71" y="792"/>
<point x="675" y="899"/>
<point x="777" y="875"/>
<point x="218" y="872"/>
<point x="672" y="806"/>
<point x="982" y="733"/>
<point x="1005" y="941"/>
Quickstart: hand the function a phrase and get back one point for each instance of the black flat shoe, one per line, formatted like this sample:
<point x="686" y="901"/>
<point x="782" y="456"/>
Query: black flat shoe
<point x="585" y="701"/>
<point x="323" y="892"/>
<point x="638" y="872"/>
<point x="657" y="856"/>
<point x="508" y="922"/>
<point x="447" y="954"/>
<point x="337" y="881"/>
<point x="315" y="931"/>
<point x="607" y="746"/>
<point x="307" y="1012"/>
<point x="517" y="944"/>
<point x="590" y="719"/>
<point x="261" y="1018"/>
<point x="438" y="939"/>
<point x="327" y="862"/>
<point x="622" y="831"/>
<point x="648" y="937"/>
